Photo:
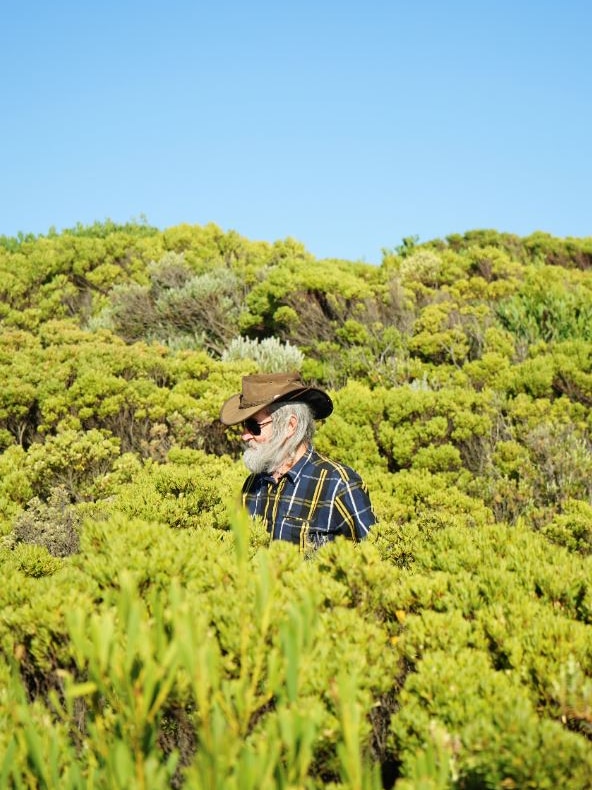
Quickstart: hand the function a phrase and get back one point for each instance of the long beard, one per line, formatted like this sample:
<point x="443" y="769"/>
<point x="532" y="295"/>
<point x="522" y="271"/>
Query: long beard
<point x="268" y="457"/>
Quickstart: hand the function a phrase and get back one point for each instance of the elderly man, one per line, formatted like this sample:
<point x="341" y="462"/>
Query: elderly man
<point x="301" y="496"/>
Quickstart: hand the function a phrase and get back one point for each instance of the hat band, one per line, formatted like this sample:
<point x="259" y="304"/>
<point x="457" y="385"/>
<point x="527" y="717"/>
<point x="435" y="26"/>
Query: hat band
<point x="247" y="404"/>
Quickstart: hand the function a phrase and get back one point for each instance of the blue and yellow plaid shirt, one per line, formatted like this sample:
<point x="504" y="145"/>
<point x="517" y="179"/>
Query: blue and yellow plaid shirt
<point x="311" y="504"/>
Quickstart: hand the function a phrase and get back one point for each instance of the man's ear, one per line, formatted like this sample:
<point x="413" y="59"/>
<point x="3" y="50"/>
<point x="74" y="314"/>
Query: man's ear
<point x="292" y="423"/>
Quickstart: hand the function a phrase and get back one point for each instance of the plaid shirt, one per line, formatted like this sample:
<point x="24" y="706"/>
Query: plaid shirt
<point x="311" y="504"/>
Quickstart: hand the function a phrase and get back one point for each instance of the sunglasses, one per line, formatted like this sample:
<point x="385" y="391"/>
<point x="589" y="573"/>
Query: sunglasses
<point x="254" y="427"/>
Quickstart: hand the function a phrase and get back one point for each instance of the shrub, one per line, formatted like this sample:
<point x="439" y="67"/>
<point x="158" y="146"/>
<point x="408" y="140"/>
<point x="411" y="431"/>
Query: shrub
<point x="187" y="492"/>
<point x="499" y="741"/>
<point x="177" y="646"/>
<point x="572" y="527"/>
<point x="270" y="354"/>
<point x="178" y="308"/>
<point x="53" y="524"/>
<point x="34" y="560"/>
<point x="72" y="459"/>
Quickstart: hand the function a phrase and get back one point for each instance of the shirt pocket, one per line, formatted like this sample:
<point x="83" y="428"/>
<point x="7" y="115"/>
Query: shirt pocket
<point x="299" y="531"/>
<point x="292" y="529"/>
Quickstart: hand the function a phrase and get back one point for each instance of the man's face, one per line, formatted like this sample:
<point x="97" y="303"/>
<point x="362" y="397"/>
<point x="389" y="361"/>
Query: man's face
<point x="265" y="450"/>
<point x="258" y="428"/>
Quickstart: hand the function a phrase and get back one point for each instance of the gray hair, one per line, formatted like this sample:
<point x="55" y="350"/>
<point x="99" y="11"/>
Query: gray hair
<point x="305" y="427"/>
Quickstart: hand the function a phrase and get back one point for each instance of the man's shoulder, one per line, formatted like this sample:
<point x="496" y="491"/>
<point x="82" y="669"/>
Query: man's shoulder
<point x="334" y="468"/>
<point x="252" y="482"/>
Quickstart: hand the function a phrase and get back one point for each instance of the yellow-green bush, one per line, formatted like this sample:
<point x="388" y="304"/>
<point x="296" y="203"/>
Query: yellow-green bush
<point x="175" y="646"/>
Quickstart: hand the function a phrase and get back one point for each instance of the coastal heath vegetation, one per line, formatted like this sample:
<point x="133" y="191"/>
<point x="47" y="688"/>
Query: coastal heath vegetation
<point x="151" y="637"/>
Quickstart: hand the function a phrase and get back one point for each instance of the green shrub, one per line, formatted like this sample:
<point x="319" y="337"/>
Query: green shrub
<point x="193" y="490"/>
<point x="573" y="527"/>
<point x="34" y="560"/>
<point x="177" y="646"/>
<point x="73" y="460"/>
<point x="499" y="741"/>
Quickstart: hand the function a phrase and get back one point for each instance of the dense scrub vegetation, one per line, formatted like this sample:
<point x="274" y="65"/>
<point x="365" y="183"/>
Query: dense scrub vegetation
<point x="150" y="637"/>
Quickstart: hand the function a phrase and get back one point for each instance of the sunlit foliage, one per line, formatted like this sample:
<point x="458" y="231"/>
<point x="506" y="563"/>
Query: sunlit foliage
<point x="152" y="638"/>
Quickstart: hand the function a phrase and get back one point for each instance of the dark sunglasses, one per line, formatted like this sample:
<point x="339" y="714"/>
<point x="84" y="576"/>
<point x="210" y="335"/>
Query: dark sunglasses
<point x="254" y="427"/>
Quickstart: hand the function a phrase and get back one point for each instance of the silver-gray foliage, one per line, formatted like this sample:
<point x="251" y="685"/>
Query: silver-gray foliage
<point x="270" y="354"/>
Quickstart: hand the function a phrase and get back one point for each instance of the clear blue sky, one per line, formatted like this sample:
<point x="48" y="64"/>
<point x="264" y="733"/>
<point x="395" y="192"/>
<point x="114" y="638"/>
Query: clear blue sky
<point x="345" y="125"/>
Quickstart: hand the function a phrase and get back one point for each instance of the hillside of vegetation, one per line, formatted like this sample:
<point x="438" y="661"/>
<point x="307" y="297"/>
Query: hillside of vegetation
<point x="150" y="637"/>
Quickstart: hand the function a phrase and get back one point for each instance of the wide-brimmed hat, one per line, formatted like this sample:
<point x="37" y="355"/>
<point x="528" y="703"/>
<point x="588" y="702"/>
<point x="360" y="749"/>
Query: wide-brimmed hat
<point x="264" y="389"/>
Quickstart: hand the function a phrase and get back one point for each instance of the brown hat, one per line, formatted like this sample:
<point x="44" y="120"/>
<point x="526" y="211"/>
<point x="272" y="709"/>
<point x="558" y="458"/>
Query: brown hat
<point x="263" y="389"/>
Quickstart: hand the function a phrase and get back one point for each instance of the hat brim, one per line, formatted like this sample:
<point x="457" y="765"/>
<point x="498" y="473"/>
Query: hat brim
<point x="319" y="402"/>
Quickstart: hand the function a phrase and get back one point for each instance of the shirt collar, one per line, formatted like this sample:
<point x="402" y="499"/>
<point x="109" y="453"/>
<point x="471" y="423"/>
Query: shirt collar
<point x="294" y="473"/>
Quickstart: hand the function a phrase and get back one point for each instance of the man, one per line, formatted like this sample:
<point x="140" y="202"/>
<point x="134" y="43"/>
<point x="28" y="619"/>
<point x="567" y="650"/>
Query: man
<point x="301" y="496"/>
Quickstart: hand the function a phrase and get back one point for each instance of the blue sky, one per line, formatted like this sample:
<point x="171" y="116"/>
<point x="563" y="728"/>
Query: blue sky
<point x="345" y="125"/>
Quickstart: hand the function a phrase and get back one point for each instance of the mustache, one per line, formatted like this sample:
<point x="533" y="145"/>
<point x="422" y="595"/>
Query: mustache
<point x="268" y="456"/>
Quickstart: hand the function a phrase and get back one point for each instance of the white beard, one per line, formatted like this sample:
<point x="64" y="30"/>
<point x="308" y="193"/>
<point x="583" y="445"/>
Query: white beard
<point x="267" y="457"/>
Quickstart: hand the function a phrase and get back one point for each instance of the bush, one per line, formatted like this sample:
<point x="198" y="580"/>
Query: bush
<point x="34" y="560"/>
<point x="496" y="737"/>
<point x="270" y="354"/>
<point x="53" y="524"/>
<point x="177" y="646"/>
<point x="573" y="527"/>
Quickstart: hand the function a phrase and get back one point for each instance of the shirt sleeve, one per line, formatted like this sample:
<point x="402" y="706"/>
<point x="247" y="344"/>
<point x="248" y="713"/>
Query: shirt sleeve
<point x="354" y="506"/>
